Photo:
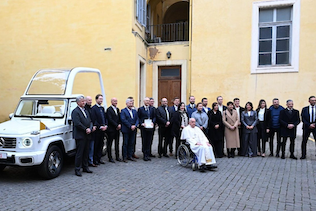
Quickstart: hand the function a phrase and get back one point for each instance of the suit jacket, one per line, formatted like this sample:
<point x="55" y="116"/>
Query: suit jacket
<point x="80" y="123"/>
<point x="113" y="119"/>
<point x="287" y="118"/>
<point x="172" y="109"/>
<point x="190" y="110"/>
<point x="128" y="121"/>
<point x="143" y="114"/>
<point x="176" y="123"/>
<point x="249" y="120"/>
<point x="215" y="119"/>
<point x="97" y="113"/>
<point x="306" y="118"/>
<point x="266" y="117"/>
<point x="161" y="116"/>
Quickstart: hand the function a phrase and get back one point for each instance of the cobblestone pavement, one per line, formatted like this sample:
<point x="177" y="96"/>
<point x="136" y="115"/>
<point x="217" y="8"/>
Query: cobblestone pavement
<point x="239" y="184"/>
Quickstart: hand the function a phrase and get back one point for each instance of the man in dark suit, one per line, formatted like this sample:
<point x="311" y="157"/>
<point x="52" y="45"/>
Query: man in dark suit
<point x="164" y="131"/>
<point x="113" y="131"/>
<point x="100" y="121"/>
<point x="204" y="104"/>
<point x="308" y="119"/>
<point x="289" y="119"/>
<point x="173" y="109"/>
<point x="82" y="128"/>
<point x="221" y="107"/>
<point x="87" y="107"/>
<point x="130" y="121"/>
<point x="151" y="104"/>
<point x="191" y="106"/>
<point x="146" y="113"/>
<point x="239" y="110"/>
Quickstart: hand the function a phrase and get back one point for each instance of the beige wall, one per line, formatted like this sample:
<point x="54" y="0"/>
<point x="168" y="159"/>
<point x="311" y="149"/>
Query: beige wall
<point x="221" y="56"/>
<point x="52" y="34"/>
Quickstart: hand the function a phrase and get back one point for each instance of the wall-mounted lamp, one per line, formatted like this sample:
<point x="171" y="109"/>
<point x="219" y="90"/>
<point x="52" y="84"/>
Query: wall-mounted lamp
<point x="107" y="49"/>
<point x="168" y="54"/>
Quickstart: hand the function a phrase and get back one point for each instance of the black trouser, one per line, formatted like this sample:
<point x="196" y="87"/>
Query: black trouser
<point x="171" y="143"/>
<point x="164" y="139"/>
<point x="272" y="132"/>
<point x="306" y="133"/>
<point x="135" y="138"/>
<point x="240" y="140"/>
<point x="98" y="145"/>
<point x="146" y="141"/>
<point x="113" y="135"/>
<point x="262" y="136"/>
<point x="82" y="154"/>
<point x="292" y="144"/>
<point x="218" y="147"/>
<point x="151" y="141"/>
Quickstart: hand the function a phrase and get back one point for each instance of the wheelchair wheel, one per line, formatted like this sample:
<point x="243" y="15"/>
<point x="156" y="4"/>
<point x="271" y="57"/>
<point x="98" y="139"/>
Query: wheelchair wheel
<point x="194" y="166"/>
<point x="183" y="155"/>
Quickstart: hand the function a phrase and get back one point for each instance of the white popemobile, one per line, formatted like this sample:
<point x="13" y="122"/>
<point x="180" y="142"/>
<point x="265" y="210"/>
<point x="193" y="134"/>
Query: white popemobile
<point x="40" y="131"/>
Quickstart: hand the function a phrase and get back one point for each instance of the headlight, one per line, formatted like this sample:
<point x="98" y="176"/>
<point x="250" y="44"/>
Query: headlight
<point x="27" y="142"/>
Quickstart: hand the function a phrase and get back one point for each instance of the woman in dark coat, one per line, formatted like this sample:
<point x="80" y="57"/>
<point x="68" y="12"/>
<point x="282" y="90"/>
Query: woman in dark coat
<point x="264" y="117"/>
<point x="249" y="120"/>
<point x="215" y="131"/>
<point x="179" y="120"/>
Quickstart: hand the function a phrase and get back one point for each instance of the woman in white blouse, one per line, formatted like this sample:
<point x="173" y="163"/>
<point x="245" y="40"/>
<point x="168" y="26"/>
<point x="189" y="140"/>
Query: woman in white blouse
<point x="263" y="126"/>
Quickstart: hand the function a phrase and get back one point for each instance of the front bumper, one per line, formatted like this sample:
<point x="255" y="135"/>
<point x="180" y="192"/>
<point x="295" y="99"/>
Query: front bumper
<point x="22" y="158"/>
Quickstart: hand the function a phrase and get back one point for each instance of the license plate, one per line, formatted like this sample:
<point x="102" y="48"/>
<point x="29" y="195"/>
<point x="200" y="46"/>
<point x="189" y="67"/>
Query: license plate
<point x="3" y="155"/>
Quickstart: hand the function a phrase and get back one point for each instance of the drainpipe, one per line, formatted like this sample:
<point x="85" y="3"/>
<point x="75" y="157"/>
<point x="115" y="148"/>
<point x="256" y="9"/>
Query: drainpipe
<point x="190" y="51"/>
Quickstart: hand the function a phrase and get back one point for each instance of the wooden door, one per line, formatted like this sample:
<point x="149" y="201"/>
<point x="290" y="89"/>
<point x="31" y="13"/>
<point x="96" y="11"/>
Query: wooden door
<point x="169" y="83"/>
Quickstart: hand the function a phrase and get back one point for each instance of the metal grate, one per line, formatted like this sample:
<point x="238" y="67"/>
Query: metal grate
<point x="7" y="142"/>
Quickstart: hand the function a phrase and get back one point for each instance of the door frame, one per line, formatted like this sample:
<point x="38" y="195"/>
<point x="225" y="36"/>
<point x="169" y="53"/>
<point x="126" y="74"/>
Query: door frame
<point x="184" y="70"/>
<point x="141" y="74"/>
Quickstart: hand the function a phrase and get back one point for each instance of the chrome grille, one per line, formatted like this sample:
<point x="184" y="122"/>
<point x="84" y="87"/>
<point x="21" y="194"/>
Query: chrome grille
<point x="7" y="142"/>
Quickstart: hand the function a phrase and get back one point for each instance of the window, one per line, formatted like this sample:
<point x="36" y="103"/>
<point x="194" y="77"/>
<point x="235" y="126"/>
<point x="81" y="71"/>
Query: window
<point x="275" y="36"/>
<point x="141" y="12"/>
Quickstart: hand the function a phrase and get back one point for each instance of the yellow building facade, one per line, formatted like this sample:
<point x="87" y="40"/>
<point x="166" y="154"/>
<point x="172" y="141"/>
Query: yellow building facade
<point x="164" y="48"/>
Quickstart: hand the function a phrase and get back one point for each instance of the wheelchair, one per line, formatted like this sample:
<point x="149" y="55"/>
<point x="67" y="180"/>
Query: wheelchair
<point x="186" y="157"/>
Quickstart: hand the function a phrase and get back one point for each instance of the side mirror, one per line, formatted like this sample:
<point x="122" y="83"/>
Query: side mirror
<point x="11" y="115"/>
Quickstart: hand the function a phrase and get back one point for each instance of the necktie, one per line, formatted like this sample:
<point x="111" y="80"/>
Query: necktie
<point x="102" y="115"/>
<point x="84" y="112"/>
<point x="313" y="117"/>
<point x="290" y="111"/>
<point x="148" y="113"/>
<point x="131" y="113"/>
<point x="167" y="112"/>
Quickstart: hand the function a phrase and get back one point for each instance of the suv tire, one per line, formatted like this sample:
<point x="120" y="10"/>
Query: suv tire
<point x="52" y="163"/>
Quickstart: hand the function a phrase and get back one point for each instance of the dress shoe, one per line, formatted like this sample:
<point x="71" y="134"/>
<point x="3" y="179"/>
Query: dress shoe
<point x="271" y="155"/>
<point x="119" y="159"/>
<point x="152" y="156"/>
<point x="303" y="157"/>
<point x="148" y="159"/>
<point x="101" y="162"/>
<point x="135" y="156"/>
<point x="159" y="156"/>
<point x="202" y="168"/>
<point x="277" y="155"/>
<point x="165" y="155"/>
<point x="145" y="159"/>
<point x="87" y="171"/>
<point x="293" y="157"/>
<point x="282" y="157"/>
<point x="96" y="163"/>
<point x="170" y="154"/>
<point x="131" y="159"/>
<point x="78" y="173"/>
<point x="111" y="160"/>
<point x="93" y="165"/>
<point x="125" y="161"/>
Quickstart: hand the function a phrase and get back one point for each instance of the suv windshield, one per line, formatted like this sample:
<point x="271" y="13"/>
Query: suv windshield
<point x="41" y="108"/>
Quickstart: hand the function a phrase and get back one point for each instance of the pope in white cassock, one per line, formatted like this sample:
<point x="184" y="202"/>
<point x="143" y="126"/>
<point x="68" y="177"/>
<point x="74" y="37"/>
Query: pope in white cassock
<point x="199" y="144"/>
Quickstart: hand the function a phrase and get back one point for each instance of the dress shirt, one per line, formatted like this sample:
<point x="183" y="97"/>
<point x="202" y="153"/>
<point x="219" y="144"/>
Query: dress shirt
<point x="114" y="108"/>
<point x="205" y="109"/>
<point x="261" y="114"/>
<point x="130" y="112"/>
<point x="175" y="108"/>
<point x="167" y="112"/>
<point x="220" y="108"/>
<point x="237" y="109"/>
<point x="83" y="111"/>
